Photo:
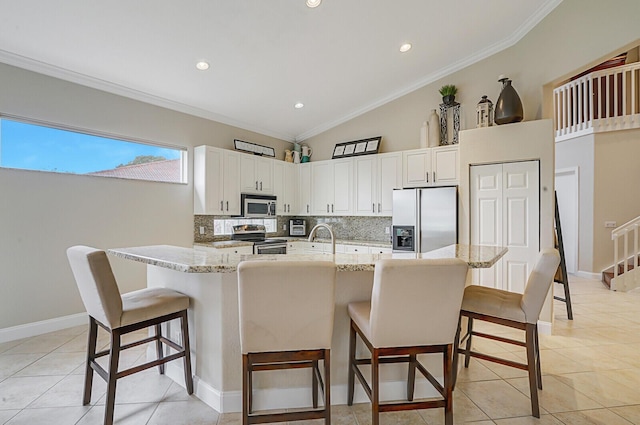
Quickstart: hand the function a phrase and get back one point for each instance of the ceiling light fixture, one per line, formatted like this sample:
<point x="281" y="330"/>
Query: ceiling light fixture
<point x="202" y="65"/>
<point x="405" y="47"/>
<point x="299" y="105"/>
<point x="313" y="3"/>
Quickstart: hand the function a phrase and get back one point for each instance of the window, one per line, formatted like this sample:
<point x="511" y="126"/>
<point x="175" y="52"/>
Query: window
<point x="32" y="146"/>
<point x="225" y="226"/>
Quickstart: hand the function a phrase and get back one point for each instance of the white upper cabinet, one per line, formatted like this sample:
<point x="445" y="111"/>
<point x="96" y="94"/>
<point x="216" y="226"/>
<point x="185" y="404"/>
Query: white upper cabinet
<point x="285" y="187"/>
<point x="332" y="187"/>
<point x="431" y="167"/>
<point x="256" y="174"/>
<point x="376" y="176"/>
<point x="304" y="189"/>
<point x="216" y="181"/>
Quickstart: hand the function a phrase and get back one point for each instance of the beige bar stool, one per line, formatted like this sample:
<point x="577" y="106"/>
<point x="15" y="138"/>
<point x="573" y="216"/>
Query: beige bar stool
<point x="120" y="315"/>
<point x="414" y="309"/>
<point x="286" y="322"/>
<point x="520" y="311"/>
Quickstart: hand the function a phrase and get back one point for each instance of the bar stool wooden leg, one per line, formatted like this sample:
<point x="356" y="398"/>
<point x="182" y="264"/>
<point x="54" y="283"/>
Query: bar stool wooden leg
<point x="246" y="390"/>
<point x="538" y="366"/>
<point x="411" y="379"/>
<point x="531" y="363"/>
<point x="375" y="384"/>
<point x="188" y="376"/>
<point x="159" y="350"/>
<point x="114" y="357"/>
<point x="469" y="335"/>
<point x="314" y="383"/>
<point x="456" y="349"/>
<point x="327" y="386"/>
<point x="91" y="355"/>
<point x="351" y="371"/>
<point x="448" y="385"/>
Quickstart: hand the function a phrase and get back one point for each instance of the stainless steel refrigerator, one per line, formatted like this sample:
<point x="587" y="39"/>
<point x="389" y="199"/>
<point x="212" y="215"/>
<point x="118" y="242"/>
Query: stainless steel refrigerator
<point x="424" y="219"/>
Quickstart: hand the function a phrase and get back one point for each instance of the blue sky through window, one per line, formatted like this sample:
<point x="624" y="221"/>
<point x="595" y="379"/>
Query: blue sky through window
<point x="35" y="147"/>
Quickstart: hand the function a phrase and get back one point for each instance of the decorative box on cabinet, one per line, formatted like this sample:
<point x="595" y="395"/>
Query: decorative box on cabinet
<point x="216" y="181"/>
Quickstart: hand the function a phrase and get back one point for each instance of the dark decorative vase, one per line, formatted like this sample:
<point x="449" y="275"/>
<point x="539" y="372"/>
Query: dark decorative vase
<point x="449" y="99"/>
<point x="508" y="107"/>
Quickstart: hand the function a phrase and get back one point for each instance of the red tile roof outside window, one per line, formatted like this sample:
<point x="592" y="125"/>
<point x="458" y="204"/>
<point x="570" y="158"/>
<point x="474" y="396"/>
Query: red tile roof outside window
<point x="162" y="171"/>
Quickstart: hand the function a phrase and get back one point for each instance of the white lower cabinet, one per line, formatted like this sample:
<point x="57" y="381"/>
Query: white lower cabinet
<point x="379" y="250"/>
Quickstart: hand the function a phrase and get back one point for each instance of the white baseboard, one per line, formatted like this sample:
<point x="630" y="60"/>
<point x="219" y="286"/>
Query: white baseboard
<point x="288" y="398"/>
<point x="544" y="328"/>
<point x="588" y="275"/>
<point x="45" y="326"/>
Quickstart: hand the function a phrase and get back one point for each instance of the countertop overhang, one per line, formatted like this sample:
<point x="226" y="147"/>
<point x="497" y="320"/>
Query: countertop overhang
<point x="189" y="260"/>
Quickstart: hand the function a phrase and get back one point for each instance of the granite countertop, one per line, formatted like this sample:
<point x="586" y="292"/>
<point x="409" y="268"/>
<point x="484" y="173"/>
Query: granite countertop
<point x="233" y="244"/>
<point x="190" y="260"/>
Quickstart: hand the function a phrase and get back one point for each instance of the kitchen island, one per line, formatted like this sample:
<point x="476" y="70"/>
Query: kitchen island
<point x="210" y="280"/>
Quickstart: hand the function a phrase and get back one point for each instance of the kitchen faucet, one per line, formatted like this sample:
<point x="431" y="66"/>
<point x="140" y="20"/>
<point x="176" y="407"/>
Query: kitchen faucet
<point x="326" y="226"/>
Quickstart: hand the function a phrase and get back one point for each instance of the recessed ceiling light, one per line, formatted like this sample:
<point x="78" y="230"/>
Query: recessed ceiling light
<point x="405" y="47"/>
<point x="313" y="3"/>
<point x="299" y="105"/>
<point x="202" y="65"/>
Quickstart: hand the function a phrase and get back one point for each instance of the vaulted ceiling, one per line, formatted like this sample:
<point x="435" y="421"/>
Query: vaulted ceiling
<point x="339" y="59"/>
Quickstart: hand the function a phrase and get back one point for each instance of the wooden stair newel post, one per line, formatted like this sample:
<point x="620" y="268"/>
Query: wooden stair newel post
<point x="561" y="274"/>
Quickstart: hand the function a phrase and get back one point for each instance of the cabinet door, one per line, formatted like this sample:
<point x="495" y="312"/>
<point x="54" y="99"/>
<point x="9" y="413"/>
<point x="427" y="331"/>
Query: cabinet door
<point x="445" y="165"/>
<point x="322" y="179"/>
<point x="207" y="181"/>
<point x="342" y="187"/>
<point x="291" y="187"/>
<point x="365" y="174"/>
<point x="264" y="174"/>
<point x="248" y="176"/>
<point x="230" y="178"/>
<point x="416" y="165"/>
<point x="389" y="178"/>
<point x="304" y="189"/>
<point x="279" y="187"/>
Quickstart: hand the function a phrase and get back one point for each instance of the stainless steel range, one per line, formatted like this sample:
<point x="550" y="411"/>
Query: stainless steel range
<point x="256" y="233"/>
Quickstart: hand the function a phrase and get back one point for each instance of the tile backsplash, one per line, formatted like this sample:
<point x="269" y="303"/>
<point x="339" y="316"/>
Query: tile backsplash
<point x="349" y="228"/>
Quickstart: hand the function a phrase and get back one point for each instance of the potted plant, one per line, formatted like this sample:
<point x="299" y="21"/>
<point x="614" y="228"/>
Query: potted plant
<point x="448" y="93"/>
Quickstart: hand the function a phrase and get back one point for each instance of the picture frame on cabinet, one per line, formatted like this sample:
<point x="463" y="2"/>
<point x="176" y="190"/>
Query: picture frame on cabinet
<point x="357" y="147"/>
<point x="253" y="148"/>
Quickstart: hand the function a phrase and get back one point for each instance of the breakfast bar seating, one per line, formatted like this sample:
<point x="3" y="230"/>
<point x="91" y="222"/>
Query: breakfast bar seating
<point x="519" y="311"/>
<point x="286" y="312"/>
<point x="413" y="310"/>
<point x="123" y="314"/>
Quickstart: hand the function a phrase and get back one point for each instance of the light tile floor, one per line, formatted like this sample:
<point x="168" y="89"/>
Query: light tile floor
<point x="591" y="375"/>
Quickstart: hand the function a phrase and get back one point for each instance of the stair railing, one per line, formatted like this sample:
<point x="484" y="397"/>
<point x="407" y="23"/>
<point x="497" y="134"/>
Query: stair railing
<point x="604" y="100"/>
<point x="623" y="232"/>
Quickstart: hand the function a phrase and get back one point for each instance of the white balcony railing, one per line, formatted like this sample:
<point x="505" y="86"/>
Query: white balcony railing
<point x="630" y="276"/>
<point x="604" y="100"/>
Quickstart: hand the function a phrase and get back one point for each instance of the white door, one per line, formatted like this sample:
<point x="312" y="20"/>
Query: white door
<point x="521" y="224"/>
<point x="486" y="216"/>
<point x="389" y="178"/>
<point x="568" y="205"/>
<point x="505" y="210"/>
<point x="365" y="173"/>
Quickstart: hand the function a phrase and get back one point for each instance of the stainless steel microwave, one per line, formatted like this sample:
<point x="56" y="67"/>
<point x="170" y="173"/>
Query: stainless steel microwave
<point x="257" y="206"/>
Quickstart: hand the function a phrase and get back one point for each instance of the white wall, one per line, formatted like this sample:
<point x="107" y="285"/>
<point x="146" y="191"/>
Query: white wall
<point x="42" y="214"/>
<point x="579" y="152"/>
<point x="576" y="34"/>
